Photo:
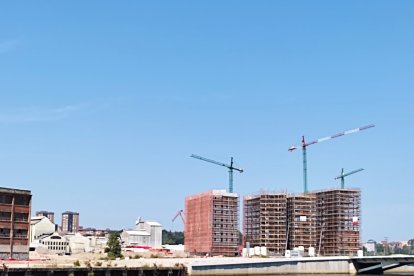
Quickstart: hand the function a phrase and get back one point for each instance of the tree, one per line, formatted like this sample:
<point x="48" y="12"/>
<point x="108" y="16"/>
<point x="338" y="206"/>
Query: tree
<point x="379" y="249"/>
<point x="169" y="237"/>
<point x="113" y="246"/>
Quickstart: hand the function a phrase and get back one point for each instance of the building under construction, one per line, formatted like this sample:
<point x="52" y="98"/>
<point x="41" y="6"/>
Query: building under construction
<point x="211" y="224"/>
<point x="264" y="221"/>
<point x="301" y="226"/>
<point x="326" y="220"/>
<point x="338" y="221"/>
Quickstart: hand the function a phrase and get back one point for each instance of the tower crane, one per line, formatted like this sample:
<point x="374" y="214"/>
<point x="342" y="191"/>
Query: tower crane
<point x="230" y="167"/>
<point x="179" y="213"/>
<point x="343" y="175"/>
<point x="304" y="145"/>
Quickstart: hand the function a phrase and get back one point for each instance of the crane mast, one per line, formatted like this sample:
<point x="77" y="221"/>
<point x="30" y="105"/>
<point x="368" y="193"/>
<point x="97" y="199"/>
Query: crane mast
<point x="304" y="145"/>
<point x="230" y="167"/>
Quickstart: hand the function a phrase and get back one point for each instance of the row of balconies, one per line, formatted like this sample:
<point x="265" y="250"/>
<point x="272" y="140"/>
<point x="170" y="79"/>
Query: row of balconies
<point x="230" y="241"/>
<point x="224" y="226"/>
<point x="230" y="221"/>
<point x="16" y="235"/>
<point x="18" y="217"/>
<point x="18" y="200"/>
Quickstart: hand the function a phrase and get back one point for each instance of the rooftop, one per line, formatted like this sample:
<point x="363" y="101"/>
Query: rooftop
<point x="14" y="191"/>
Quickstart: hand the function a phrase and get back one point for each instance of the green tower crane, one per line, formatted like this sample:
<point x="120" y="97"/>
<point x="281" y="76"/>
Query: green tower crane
<point x="343" y="175"/>
<point x="230" y="167"/>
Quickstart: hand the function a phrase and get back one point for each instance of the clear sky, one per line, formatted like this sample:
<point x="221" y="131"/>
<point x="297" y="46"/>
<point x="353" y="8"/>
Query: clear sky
<point x="103" y="102"/>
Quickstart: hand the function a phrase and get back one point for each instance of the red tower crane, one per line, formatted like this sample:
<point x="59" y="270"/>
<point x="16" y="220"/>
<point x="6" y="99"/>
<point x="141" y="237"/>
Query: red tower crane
<point x="179" y="213"/>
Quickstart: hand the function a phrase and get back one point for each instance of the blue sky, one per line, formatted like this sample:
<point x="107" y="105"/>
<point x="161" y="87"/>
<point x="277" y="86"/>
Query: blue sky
<point x="102" y="103"/>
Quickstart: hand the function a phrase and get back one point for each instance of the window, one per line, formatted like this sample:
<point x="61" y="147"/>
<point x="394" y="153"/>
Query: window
<point x="22" y="200"/>
<point x="5" y="215"/>
<point x="21" y="217"/>
<point x="20" y="233"/>
<point x="4" y="233"/>
<point x="6" y="199"/>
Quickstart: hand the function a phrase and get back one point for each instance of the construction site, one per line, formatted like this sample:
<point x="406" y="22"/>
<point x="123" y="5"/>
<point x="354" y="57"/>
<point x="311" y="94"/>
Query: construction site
<point x="323" y="223"/>
<point x="327" y="221"/>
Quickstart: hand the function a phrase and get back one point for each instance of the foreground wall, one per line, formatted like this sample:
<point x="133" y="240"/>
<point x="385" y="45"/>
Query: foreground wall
<point x="332" y="265"/>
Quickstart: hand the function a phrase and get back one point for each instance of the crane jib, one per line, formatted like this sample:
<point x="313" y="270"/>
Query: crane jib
<point x="305" y="145"/>
<point x="365" y="127"/>
<point x="230" y="167"/>
<point x="338" y="135"/>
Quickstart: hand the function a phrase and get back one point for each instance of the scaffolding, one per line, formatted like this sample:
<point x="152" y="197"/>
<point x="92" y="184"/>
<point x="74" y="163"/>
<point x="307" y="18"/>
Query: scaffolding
<point x="211" y="226"/>
<point x="328" y="221"/>
<point x="338" y="221"/>
<point x="301" y="226"/>
<point x="264" y="221"/>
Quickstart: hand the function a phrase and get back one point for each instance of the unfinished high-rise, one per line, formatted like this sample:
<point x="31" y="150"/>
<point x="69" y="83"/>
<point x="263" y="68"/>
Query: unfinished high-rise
<point x="301" y="220"/>
<point x="326" y="220"/>
<point x="264" y="221"/>
<point x="338" y="221"/>
<point x="211" y="224"/>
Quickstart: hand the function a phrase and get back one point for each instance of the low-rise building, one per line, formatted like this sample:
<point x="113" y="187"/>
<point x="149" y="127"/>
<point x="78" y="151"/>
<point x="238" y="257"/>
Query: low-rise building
<point x="135" y="237"/>
<point x="90" y="231"/>
<point x="56" y="244"/>
<point x="80" y="244"/>
<point x="41" y="227"/>
<point x="146" y="233"/>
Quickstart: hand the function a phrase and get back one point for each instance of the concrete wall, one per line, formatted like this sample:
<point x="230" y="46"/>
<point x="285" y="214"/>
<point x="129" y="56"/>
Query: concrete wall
<point x="277" y="266"/>
<point x="19" y="251"/>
